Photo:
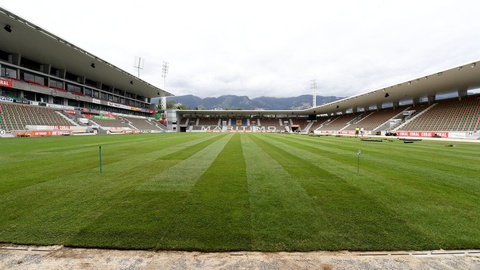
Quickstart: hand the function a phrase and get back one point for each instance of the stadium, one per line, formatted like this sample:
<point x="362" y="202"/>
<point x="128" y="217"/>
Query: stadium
<point x="56" y="88"/>
<point x="229" y="180"/>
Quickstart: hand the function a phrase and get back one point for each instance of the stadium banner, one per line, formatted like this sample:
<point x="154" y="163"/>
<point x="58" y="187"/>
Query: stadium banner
<point x="459" y="134"/>
<point x="327" y="132"/>
<point x="116" y="130"/>
<point x="131" y="131"/>
<point x="43" y="133"/>
<point x="242" y="130"/>
<point x="61" y="107"/>
<point x="101" y="117"/>
<point x="347" y="132"/>
<point x="6" y="99"/>
<point x="422" y="134"/>
<point x="116" y="105"/>
<point x="41" y="127"/>
<point x="21" y="101"/>
<point x="70" y="112"/>
<point x="109" y="114"/>
<point x="6" y="83"/>
<point x="96" y="101"/>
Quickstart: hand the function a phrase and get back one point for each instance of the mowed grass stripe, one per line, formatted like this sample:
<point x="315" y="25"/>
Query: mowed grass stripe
<point x="422" y="194"/>
<point x="399" y="162"/>
<point x="362" y="222"/>
<point x="54" y="210"/>
<point x="139" y="217"/>
<point x="53" y="165"/>
<point x="284" y="216"/>
<point x="216" y="214"/>
<point x="400" y="159"/>
<point x="193" y="162"/>
<point x="406" y="196"/>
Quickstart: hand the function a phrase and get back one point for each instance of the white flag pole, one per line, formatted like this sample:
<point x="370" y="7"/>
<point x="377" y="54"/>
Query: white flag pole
<point x="358" y="160"/>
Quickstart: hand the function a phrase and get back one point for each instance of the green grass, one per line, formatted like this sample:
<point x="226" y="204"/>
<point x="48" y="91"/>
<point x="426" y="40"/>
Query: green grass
<point x="215" y="192"/>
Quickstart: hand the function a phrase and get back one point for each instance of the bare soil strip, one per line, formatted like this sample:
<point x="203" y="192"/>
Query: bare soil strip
<point x="59" y="257"/>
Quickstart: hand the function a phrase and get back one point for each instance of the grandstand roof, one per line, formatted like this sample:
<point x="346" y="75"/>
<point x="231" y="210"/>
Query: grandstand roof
<point x="464" y="77"/>
<point x="39" y="45"/>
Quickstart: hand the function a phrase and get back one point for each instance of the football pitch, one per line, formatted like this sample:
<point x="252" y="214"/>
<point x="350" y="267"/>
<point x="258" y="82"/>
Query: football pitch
<point x="249" y="192"/>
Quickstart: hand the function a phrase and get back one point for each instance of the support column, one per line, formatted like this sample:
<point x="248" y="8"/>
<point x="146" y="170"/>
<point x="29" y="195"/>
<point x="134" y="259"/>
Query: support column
<point x="462" y="93"/>
<point x="415" y="102"/>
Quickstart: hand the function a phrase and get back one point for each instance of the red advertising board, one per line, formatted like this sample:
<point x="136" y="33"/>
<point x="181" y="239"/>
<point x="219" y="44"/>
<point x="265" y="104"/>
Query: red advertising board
<point x="422" y="134"/>
<point x="6" y="83"/>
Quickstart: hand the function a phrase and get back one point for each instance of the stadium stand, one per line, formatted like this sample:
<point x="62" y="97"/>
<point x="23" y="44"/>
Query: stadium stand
<point x="340" y="122"/>
<point x="375" y="120"/>
<point x="143" y="124"/>
<point x="318" y="123"/>
<point x="301" y="124"/>
<point x="447" y="115"/>
<point x="17" y="117"/>
<point x="114" y="122"/>
<point x="209" y="122"/>
<point x="205" y="123"/>
<point x="271" y="122"/>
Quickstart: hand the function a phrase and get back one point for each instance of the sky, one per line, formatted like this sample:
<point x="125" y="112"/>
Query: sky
<point x="271" y="48"/>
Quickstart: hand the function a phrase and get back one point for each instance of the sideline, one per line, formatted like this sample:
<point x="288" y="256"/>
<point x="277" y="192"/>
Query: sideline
<point x="59" y="257"/>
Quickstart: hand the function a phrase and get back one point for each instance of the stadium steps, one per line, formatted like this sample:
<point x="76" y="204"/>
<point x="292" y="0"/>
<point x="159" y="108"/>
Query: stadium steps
<point x="410" y="122"/>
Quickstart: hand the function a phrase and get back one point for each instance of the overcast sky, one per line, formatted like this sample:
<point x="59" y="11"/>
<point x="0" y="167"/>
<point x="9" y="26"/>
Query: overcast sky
<point x="270" y="47"/>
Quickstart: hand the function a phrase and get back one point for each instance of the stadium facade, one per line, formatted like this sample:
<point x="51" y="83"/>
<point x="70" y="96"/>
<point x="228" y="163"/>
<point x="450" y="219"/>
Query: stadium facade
<point x="39" y="68"/>
<point x="443" y="104"/>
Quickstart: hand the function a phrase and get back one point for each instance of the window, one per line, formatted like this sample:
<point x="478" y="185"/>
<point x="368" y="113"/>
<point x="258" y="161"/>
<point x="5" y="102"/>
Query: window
<point x="8" y="72"/>
<point x="90" y="83"/>
<point x="71" y="77"/>
<point x="33" y="78"/>
<point x="54" y="71"/>
<point x="30" y="64"/>
<point x="55" y="83"/>
<point x="106" y="87"/>
<point x="4" y="55"/>
<point x="74" y="88"/>
<point x="72" y="103"/>
<point x="58" y="100"/>
<point x="29" y="95"/>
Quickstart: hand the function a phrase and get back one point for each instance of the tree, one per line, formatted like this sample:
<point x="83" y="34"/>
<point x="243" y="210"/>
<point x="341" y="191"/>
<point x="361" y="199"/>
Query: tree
<point x="181" y="107"/>
<point x="170" y="104"/>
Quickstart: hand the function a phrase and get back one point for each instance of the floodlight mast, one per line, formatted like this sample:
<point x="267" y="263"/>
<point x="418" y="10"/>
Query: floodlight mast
<point x="138" y="64"/>
<point x="164" y="75"/>
<point x="313" y="86"/>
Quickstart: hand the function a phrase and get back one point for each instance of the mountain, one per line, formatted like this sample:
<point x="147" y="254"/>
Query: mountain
<point x="245" y="103"/>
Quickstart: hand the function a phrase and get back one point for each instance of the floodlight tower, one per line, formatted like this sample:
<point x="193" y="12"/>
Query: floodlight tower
<point x="164" y="72"/>
<point x="138" y="64"/>
<point x="164" y="75"/>
<point x="313" y="86"/>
